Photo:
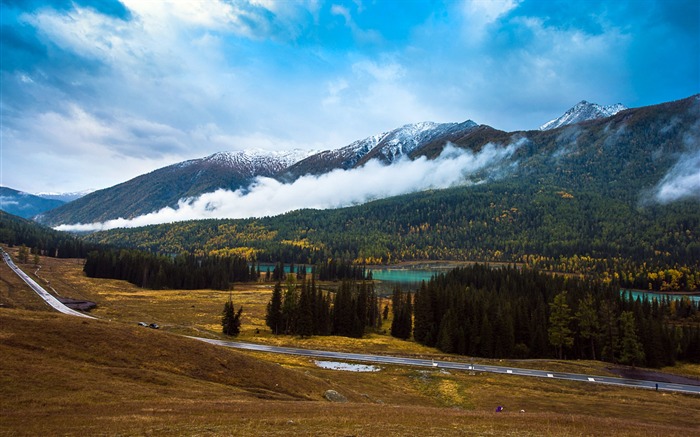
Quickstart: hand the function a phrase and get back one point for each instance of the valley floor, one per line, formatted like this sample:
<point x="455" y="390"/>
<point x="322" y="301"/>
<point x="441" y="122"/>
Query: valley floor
<point x="67" y="376"/>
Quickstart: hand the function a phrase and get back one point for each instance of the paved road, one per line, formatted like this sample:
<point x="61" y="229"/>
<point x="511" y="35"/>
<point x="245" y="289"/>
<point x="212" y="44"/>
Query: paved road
<point x="48" y="298"/>
<point x="383" y="359"/>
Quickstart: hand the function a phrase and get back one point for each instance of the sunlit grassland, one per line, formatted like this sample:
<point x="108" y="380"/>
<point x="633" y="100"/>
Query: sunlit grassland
<point x="61" y="375"/>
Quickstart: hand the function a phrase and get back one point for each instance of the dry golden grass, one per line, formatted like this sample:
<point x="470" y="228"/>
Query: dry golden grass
<point x="64" y="376"/>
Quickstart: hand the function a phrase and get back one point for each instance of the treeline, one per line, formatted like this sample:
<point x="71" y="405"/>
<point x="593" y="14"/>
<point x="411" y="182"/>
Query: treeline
<point x="40" y="240"/>
<point x="304" y="309"/>
<point x="184" y="271"/>
<point x="341" y="269"/>
<point x="511" y="313"/>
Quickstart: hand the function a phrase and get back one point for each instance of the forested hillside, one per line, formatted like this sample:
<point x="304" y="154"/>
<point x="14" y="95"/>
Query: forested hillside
<point x="545" y="226"/>
<point x="16" y="231"/>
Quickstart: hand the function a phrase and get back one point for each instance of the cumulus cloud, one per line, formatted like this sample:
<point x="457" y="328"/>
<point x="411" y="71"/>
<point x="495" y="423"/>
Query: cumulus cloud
<point x="266" y="196"/>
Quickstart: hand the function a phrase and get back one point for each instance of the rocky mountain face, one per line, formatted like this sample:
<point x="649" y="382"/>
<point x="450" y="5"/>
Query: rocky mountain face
<point x="583" y="111"/>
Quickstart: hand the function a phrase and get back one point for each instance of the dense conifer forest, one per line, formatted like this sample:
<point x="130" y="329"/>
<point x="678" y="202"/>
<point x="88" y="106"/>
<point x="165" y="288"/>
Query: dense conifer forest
<point x="507" y="312"/>
<point x="183" y="271"/>
<point x="40" y="240"/>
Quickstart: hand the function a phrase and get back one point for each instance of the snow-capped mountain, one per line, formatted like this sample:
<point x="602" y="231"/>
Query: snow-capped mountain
<point x="387" y="146"/>
<point x="583" y="111"/>
<point x="411" y="137"/>
<point x="233" y="170"/>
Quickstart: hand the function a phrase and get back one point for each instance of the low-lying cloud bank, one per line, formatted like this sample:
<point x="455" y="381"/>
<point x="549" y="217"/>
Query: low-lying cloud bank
<point x="339" y="188"/>
<point x="683" y="180"/>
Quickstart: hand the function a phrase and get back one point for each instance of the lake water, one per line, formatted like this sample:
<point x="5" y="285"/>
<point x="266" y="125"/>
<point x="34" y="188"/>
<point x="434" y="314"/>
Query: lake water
<point x="657" y="295"/>
<point x="403" y="276"/>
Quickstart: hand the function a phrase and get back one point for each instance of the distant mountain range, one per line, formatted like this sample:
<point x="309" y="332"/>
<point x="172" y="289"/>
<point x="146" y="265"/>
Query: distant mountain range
<point x="24" y="204"/>
<point x="236" y="170"/>
<point x="617" y="194"/>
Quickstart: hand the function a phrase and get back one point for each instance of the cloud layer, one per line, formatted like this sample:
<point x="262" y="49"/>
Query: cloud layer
<point x="266" y="196"/>
<point x="98" y="92"/>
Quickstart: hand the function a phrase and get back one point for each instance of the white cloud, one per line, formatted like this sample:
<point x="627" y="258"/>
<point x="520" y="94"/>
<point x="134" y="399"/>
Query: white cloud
<point x="361" y="35"/>
<point x="336" y="189"/>
<point x="682" y="181"/>
<point x="479" y="14"/>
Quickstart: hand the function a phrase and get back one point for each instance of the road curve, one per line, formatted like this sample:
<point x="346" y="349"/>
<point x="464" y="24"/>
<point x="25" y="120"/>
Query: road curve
<point x="48" y="297"/>
<point x="385" y="359"/>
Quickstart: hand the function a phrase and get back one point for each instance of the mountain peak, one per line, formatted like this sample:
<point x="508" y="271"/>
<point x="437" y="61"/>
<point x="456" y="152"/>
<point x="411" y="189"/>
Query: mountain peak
<point x="583" y="111"/>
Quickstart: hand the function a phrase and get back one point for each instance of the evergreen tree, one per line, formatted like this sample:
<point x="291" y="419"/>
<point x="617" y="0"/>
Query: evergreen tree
<point x="273" y="316"/>
<point x="587" y="320"/>
<point x="290" y="307"/>
<point x="305" y="321"/>
<point x="631" y="351"/>
<point x="231" y="320"/>
<point x="610" y="332"/>
<point x="424" y="330"/>
<point x="403" y="313"/>
<point x="560" y="334"/>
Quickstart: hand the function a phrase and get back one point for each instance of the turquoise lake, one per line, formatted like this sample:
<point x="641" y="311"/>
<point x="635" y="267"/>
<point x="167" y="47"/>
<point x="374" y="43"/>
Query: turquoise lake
<point x="409" y="279"/>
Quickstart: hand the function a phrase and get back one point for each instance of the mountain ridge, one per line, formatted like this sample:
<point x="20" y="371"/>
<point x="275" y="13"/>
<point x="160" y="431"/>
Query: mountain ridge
<point x="166" y="186"/>
<point x="192" y="178"/>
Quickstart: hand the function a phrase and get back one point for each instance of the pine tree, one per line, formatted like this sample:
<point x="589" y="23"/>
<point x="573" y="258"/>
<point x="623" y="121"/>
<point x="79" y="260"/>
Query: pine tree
<point x="610" y="333"/>
<point x="587" y="320"/>
<point x="290" y="307"/>
<point x="424" y="324"/>
<point x="403" y="312"/>
<point x="560" y="335"/>
<point x="305" y="321"/>
<point x="231" y="320"/>
<point x="273" y="316"/>
<point x="631" y="351"/>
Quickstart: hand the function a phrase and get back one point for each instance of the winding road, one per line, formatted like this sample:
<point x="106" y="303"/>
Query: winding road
<point x="392" y="360"/>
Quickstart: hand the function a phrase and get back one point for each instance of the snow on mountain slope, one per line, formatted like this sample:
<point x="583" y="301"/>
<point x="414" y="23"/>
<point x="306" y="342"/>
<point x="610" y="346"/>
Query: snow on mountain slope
<point x="250" y="162"/>
<point x="404" y="140"/>
<point x="583" y="111"/>
<point x="64" y="197"/>
<point x="387" y="147"/>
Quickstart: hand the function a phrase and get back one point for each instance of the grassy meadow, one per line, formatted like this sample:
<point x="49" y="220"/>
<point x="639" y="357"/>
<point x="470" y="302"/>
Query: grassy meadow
<point x="62" y="375"/>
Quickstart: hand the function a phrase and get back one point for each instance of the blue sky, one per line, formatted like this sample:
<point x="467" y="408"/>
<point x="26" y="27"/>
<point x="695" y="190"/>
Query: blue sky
<point x="97" y="92"/>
